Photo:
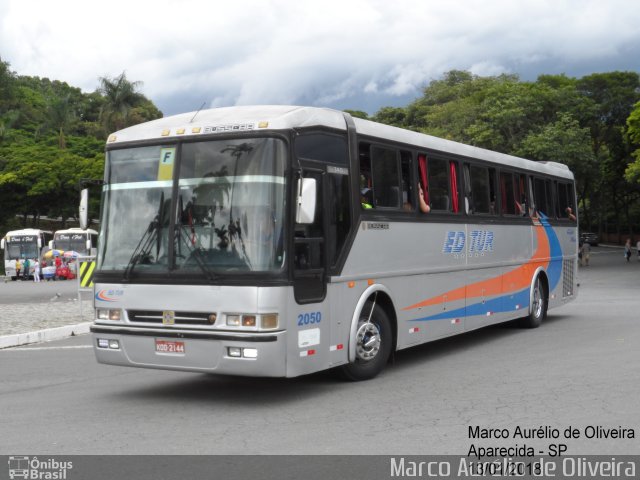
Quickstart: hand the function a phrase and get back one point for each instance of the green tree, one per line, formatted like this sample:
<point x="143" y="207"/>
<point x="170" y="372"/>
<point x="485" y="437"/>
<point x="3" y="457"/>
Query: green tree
<point x="565" y="141"/>
<point x="121" y="96"/>
<point x="632" y="173"/>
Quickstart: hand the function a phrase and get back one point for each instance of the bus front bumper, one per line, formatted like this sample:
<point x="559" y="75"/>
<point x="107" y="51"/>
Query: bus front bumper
<point x="246" y="353"/>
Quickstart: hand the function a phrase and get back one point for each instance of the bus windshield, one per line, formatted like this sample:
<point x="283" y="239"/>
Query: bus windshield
<point x="227" y="215"/>
<point x="71" y="241"/>
<point x="22" y="247"/>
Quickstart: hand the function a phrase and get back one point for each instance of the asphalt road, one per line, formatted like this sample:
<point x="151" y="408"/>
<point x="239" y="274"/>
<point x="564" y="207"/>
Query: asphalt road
<point x="31" y="292"/>
<point x="580" y="369"/>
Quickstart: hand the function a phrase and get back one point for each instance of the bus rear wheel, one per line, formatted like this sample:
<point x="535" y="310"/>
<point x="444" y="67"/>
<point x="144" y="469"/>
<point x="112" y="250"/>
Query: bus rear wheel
<point x="373" y="345"/>
<point x="538" y="308"/>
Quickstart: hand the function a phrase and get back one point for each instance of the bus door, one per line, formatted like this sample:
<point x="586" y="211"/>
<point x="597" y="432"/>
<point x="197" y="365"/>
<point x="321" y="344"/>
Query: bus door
<point x="309" y="259"/>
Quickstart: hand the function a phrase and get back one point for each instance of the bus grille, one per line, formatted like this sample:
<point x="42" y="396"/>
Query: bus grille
<point x="180" y="318"/>
<point x="567" y="277"/>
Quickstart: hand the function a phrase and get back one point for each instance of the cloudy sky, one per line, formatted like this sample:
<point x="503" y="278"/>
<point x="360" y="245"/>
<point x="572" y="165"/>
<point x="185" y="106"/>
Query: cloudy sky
<point x="357" y="54"/>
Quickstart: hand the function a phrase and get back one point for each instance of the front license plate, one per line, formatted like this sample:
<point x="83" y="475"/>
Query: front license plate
<point x="168" y="346"/>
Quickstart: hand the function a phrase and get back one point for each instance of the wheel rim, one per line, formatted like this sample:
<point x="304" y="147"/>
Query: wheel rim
<point x="538" y="301"/>
<point x="368" y="341"/>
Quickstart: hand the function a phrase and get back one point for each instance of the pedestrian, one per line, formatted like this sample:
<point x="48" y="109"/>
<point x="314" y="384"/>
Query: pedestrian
<point x="627" y="249"/>
<point x="26" y="266"/>
<point x="585" y="250"/>
<point x="36" y="272"/>
<point x="18" y="267"/>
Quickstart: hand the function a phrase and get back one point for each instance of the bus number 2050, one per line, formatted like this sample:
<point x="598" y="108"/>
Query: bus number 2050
<point x="309" y="318"/>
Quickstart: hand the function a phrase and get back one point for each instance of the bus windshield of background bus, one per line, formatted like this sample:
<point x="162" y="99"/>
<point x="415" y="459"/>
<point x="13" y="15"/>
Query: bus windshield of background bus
<point x="21" y="247"/>
<point x="229" y="209"/>
<point x="70" y="241"/>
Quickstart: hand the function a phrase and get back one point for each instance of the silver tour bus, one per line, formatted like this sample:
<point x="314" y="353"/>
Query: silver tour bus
<point x="280" y="241"/>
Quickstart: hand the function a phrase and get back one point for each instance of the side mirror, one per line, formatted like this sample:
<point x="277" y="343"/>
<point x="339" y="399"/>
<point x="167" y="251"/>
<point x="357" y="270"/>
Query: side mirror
<point x="2" y="244"/>
<point x="84" y="204"/>
<point x="39" y="243"/>
<point x="88" y="245"/>
<point x="306" y="207"/>
<point x="50" y="245"/>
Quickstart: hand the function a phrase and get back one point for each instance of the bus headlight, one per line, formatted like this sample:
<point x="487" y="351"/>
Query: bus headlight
<point x="250" y="321"/>
<point x="113" y="314"/>
<point x="269" y="321"/>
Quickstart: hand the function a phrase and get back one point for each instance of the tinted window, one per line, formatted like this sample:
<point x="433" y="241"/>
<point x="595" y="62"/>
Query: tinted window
<point x="480" y="191"/>
<point x="438" y="176"/>
<point x="386" y="177"/>
<point x="508" y="201"/>
<point x="322" y="147"/>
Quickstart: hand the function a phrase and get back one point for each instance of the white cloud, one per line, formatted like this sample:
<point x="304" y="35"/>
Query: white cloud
<point x="336" y="53"/>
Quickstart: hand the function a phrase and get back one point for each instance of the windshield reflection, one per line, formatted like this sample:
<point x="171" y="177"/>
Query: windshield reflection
<point x="229" y="209"/>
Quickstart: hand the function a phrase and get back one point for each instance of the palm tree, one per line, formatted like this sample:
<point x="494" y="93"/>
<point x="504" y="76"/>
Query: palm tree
<point x="120" y="97"/>
<point x="61" y="115"/>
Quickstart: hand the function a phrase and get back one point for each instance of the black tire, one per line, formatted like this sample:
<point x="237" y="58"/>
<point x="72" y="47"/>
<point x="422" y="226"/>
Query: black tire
<point x="538" y="308"/>
<point x="373" y="345"/>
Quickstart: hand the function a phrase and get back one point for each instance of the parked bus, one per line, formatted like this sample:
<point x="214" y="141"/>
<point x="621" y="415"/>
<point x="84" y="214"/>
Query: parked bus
<point x="77" y="240"/>
<point x="281" y="241"/>
<point x="23" y="244"/>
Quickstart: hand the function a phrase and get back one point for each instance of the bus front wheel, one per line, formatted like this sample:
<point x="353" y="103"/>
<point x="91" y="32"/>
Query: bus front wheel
<point x="373" y="345"/>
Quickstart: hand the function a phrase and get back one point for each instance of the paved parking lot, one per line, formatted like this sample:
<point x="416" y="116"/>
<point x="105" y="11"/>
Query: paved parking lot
<point x="579" y="369"/>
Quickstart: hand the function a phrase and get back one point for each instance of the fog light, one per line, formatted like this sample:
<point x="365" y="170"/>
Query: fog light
<point x="103" y="343"/>
<point x="269" y="321"/>
<point x="248" y="320"/>
<point x="108" y="314"/>
<point x="234" y="351"/>
<point x="115" y="344"/>
<point x="233" y="320"/>
<point x="250" y="352"/>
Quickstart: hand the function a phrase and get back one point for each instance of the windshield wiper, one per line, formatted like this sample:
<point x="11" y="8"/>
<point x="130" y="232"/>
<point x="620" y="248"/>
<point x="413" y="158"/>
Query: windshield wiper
<point x="143" y="249"/>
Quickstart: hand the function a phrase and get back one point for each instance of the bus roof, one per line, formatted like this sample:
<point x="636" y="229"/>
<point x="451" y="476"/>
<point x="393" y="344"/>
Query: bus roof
<point x="26" y="231"/>
<point x="280" y="117"/>
<point x="76" y="230"/>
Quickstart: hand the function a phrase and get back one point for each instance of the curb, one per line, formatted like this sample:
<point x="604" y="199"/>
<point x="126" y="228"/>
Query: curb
<point x="58" y="333"/>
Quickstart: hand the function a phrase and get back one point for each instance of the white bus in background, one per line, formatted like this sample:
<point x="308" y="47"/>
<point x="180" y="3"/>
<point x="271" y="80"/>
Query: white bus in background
<point x="23" y="244"/>
<point x="75" y="239"/>
<point x="281" y="241"/>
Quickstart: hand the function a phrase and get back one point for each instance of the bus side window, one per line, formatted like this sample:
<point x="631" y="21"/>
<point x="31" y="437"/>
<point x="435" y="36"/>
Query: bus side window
<point x="438" y="180"/>
<point x="566" y="208"/>
<point x="408" y="189"/>
<point x="540" y="196"/>
<point x="385" y="164"/>
<point x="521" y="195"/>
<point x="480" y="190"/>
<point x="508" y="201"/>
<point x="366" y="183"/>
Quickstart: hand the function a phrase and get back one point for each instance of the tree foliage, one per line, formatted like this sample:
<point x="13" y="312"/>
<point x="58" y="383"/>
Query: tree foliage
<point x="578" y="122"/>
<point x="51" y="136"/>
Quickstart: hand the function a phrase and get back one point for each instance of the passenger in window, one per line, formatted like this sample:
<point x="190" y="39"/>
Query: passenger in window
<point x="366" y="198"/>
<point x="424" y="208"/>
<point x="570" y="214"/>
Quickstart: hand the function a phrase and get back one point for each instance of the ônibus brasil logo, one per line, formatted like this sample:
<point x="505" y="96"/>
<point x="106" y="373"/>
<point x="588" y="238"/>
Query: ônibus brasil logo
<point x="35" y="469"/>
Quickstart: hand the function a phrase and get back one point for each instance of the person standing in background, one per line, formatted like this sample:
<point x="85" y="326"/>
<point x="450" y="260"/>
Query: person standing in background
<point x="627" y="249"/>
<point x="36" y="271"/>
<point x="18" y="268"/>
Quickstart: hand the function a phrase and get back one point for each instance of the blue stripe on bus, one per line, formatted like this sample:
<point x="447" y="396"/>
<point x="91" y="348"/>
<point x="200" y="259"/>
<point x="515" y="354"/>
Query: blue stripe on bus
<point x="505" y="303"/>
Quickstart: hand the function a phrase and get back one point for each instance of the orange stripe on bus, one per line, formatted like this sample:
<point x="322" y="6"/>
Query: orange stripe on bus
<point x="516" y="279"/>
